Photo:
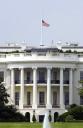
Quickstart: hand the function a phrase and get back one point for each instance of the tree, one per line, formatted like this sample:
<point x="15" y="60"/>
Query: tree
<point x="34" y="118"/>
<point x="81" y="91"/>
<point x="3" y="95"/>
<point x="8" y="112"/>
<point x="81" y="88"/>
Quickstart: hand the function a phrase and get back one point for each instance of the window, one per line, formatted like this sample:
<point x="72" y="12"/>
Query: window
<point x="16" y="98"/>
<point x="66" y="98"/>
<point x="28" y="98"/>
<point x="81" y="75"/>
<point x="81" y="100"/>
<point x="54" y="75"/>
<point x="54" y="98"/>
<point x="28" y="77"/>
<point x="66" y="77"/>
<point x="1" y="76"/>
<point x="41" y="98"/>
<point x="41" y="76"/>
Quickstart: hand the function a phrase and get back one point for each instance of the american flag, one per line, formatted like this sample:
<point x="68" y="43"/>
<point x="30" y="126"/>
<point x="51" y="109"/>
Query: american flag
<point x="45" y="24"/>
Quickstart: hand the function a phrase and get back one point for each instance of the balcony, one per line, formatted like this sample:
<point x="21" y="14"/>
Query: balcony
<point x="55" y="81"/>
<point x="41" y="106"/>
<point x="25" y="82"/>
<point x="28" y="81"/>
<point x="27" y="106"/>
<point x="41" y="81"/>
<point x="55" y="106"/>
<point x="66" y="81"/>
<point x="17" y="81"/>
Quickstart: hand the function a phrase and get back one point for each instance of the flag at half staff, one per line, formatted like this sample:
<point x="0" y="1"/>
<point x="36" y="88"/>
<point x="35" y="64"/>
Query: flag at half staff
<point x="45" y="24"/>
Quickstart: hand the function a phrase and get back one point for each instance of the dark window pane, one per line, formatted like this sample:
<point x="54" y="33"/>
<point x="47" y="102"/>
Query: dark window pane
<point x="81" y="75"/>
<point x="41" y="98"/>
<point x="28" y="98"/>
<point x="81" y="100"/>
<point x="16" y="98"/>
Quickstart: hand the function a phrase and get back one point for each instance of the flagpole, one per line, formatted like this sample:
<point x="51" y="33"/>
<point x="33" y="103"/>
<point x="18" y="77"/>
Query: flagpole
<point x="41" y="38"/>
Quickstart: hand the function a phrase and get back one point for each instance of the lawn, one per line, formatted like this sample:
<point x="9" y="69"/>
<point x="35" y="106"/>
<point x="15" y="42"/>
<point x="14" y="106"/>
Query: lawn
<point x="38" y="125"/>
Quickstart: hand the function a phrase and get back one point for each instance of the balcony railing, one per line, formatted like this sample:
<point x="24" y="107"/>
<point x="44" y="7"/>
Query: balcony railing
<point x="58" y="81"/>
<point x="55" y="106"/>
<point x="17" y="81"/>
<point x="25" y="81"/>
<point x="41" y="81"/>
<point x="41" y="106"/>
<point x="55" y="81"/>
<point x="27" y="106"/>
<point x="28" y="81"/>
<point x="66" y="81"/>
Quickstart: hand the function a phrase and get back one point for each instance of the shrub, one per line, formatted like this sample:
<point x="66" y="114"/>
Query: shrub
<point x="50" y="118"/>
<point x="9" y="113"/>
<point x="62" y="117"/>
<point x="77" y="112"/>
<point x="69" y="118"/>
<point x="19" y="117"/>
<point x="71" y="106"/>
<point x="34" y="118"/>
<point x="81" y="91"/>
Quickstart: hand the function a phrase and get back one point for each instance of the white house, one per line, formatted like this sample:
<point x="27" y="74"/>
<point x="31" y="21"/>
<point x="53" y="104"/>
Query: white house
<point x="42" y="78"/>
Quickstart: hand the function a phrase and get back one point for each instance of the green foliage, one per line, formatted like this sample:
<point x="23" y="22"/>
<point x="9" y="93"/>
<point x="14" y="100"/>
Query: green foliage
<point x="69" y="118"/>
<point x="71" y="106"/>
<point x="34" y="118"/>
<point x="81" y="91"/>
<point x="77" y="112"/>
<point x="80" y="81"/>
<point x="3" y="95"/>
<point x="9" y="113"/>
<point x="50" y="118"/>
<point x="62" y="117"/>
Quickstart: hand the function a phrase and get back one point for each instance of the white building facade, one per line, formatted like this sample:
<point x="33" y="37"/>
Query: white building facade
<point x="41" y="79"/>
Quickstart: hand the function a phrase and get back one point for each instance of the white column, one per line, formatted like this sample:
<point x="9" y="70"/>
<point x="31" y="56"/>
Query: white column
<point x="61" y="89"/>
<point x="70" y="87"/>
<point x="21" y="102"/>
<point x="12" y="87"/>
<point x="4" y="76"/>
<point x="34" y="88"/>
<point x="49" y="105"/>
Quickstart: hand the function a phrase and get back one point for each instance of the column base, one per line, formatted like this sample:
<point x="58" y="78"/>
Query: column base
<point x="20" y="106"/>
<point x="34" y="106"/>
<point x="48" y="106"/>
<point x="62" y="106"/>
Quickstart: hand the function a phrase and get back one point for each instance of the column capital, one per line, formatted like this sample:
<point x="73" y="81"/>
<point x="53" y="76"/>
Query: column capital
<point x="21" y="68"/>
<point x="62" y="68"/>
<point x="34" y="67"/>
<point x="71" y="68"/>
<point x="49" y="67"/>
<point x="11" y="68"/>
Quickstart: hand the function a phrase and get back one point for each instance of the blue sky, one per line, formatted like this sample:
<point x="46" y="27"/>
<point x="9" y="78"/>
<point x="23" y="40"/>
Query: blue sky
<point x="20" y="21"/>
